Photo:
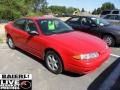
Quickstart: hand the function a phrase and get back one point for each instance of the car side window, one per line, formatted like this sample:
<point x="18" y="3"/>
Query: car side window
<point x="112" y="17"/>
<point x="105" y="12"/>
<point x="117" y="17"/>
<point x="115" y="12"/>
<point x="20" y="24"/>
<point x="30" y="26"/>
<point x="85" y="21"/>
<point x="74" y="20"/>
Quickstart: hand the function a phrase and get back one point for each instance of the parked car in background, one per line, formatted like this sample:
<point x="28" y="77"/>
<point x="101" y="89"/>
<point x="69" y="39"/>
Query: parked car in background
<point x="107" y="12"/>
<point x="113" y="19"/>
<point x="3" y="21"/>
<point x="98" y="27"/>
<point x="56" y="43"/>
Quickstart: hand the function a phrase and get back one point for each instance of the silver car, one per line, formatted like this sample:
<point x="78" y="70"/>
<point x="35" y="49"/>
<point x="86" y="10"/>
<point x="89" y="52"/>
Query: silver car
<point x="107" y="12"/>
<point x="113" y="18"/>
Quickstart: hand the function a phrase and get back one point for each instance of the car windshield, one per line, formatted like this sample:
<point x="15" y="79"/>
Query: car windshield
<point x="53" y="26"/>
<point x="100" y="21"/>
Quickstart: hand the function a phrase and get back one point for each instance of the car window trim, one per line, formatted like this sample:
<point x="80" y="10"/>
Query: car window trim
<point x="33" y="22"/>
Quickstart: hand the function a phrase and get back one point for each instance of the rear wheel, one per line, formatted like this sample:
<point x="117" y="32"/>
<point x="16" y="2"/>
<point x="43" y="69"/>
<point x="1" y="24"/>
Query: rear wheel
<point x="53" y="62"/>
<point x="109" y="40"/>
<point x="10" y="42"/>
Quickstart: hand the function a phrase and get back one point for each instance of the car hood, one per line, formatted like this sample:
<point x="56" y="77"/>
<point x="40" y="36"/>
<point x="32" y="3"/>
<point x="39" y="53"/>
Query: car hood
<point x="79" y="41"/>
<point x="111" y="27"/>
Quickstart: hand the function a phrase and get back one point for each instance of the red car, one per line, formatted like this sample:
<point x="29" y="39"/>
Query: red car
<point x="58" y="44"/>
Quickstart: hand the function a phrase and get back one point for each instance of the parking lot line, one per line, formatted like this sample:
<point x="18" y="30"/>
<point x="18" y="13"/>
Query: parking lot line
<point x="113" y="55"/>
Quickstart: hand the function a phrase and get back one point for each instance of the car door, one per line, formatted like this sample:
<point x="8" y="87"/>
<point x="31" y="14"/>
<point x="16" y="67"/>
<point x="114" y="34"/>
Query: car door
<point x="19" y="33"/>
<point x="74" y="23"/>
<point x="32" y="42"/>
<point x="89" y="26"/>
<point x="84" y="24"/>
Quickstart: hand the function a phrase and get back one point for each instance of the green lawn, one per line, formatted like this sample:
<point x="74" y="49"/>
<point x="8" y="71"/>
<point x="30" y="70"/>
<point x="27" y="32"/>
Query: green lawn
<point x="1" y="40"/>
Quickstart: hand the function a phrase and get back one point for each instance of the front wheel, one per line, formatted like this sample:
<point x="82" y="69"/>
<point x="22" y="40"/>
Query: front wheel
<point x="53" y="62"/>
<point x="109" y="40"/>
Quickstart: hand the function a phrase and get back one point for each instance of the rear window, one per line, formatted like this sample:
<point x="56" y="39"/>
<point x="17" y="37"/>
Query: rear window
<point x="115" y="12"/>
<point x="74" y="19"/>
<point x="105" y="12"/>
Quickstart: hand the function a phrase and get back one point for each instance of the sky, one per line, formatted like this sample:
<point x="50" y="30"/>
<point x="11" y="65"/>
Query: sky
<point x="88" y="5"/>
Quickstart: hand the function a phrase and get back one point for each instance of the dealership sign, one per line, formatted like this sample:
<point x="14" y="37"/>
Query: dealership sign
<point x="15" y="82"/>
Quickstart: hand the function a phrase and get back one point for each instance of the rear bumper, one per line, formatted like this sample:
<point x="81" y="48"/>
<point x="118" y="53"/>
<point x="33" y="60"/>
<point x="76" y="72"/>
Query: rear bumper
<point x="84" y="67"/>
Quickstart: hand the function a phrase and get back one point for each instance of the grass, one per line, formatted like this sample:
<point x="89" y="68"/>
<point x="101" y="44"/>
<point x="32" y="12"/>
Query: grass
<point x="1" y="40"/>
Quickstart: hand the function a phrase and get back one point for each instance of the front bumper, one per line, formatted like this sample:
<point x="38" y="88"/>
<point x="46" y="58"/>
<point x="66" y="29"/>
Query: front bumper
<point x="86" y="66"/>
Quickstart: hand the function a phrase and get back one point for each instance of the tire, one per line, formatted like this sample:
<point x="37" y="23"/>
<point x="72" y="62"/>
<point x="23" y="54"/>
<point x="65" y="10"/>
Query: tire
<point x="53" y="62"/>
<point x="10" y="42"/>
<point x="109" y="40"/>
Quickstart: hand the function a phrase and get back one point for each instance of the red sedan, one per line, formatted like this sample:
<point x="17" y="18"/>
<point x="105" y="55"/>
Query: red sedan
<point x="58" y="44"/>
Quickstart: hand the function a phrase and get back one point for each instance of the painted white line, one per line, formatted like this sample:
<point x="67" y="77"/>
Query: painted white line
<point x="110" y="81"/>
<point x="113" y="55"/>
<point x="0" y="76"/>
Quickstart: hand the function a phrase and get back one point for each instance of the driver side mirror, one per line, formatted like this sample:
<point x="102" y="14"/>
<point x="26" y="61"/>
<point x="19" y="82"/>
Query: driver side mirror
<point x="33" y="33"/>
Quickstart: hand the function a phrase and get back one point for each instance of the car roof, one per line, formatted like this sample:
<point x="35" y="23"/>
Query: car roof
<point x="113" y="14"/>
<point x="38" y="17"/>
<point x="83" y="16"/>
<point x="112" y="10"/>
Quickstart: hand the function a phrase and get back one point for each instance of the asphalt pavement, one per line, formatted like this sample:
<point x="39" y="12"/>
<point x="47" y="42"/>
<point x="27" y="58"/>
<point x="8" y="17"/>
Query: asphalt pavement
<point x="106" y="77"/>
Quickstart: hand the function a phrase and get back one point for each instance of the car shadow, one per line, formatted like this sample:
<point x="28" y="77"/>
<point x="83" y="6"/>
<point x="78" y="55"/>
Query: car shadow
<point x="116" y="46"/>
<point x="96" y="84"/>
<point x="31" y="56"/>
<point x="70" y="74"/>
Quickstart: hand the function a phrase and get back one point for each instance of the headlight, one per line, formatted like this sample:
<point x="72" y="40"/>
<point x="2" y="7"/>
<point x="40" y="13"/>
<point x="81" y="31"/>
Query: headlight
<point x="87" y="56"/>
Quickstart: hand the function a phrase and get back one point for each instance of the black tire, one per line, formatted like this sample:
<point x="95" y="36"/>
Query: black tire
<point x="110" y="40"/>
<point x="10" y="42"/>
<point x="50" y="63"/>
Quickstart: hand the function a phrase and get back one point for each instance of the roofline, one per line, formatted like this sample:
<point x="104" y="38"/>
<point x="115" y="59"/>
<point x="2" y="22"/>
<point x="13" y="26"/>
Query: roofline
<point x="83" y="16"/>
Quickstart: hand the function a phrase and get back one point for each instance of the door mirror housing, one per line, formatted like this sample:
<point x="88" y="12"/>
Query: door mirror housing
<point x="33" y="33"/>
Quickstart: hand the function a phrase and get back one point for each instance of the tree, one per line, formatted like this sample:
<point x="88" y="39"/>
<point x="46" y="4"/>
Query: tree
<point x="7" y="10"/>
<point x="62" y="10"/>
<point x="98" y="10"/>
<point x="94" y="12"/>
<point x="107" y="6"/>
<point x="71" y="10"/>
<point x="58" y="9"/>
<point x="13" y="9"/>
<point x="40" y="5"/>
<point x="83" y="10"/>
